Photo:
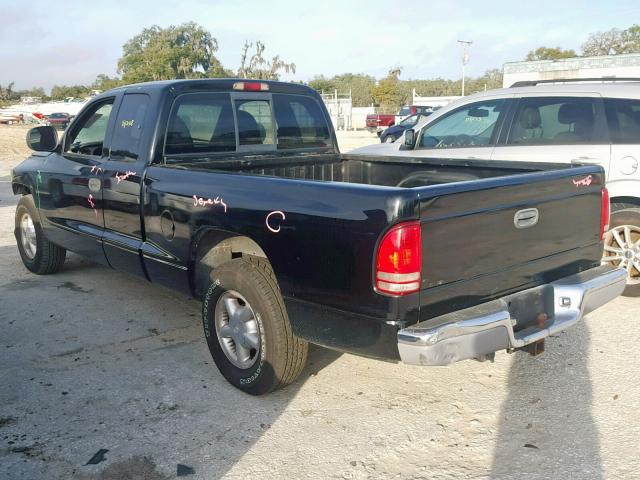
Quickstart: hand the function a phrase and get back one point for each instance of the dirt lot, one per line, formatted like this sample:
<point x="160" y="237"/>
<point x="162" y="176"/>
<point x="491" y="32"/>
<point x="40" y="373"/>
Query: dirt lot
<point x="92" y="359"/>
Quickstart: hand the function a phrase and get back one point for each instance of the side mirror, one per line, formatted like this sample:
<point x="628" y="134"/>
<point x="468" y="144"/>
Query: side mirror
<point x="42" y="139"/>
<point x="409" y="139"/>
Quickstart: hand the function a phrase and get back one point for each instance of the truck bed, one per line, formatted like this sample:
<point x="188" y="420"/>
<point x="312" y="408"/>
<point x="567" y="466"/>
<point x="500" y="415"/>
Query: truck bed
<point x="472" y="250"/>
<point x="381" y="171"/>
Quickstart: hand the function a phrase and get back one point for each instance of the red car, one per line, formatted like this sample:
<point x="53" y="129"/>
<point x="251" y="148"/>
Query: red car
<point x="59" y="120"/>
<point x="377" y="123"/>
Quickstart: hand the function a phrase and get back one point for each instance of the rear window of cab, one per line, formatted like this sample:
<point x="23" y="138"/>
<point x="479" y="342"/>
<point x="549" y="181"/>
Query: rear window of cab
<point x="213" y="123"/>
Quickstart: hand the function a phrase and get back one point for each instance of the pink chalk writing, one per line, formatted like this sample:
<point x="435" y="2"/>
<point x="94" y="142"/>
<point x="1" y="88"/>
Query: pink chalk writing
<point x="583" y="182"/>
<point x="276" y="213"/>
<point x="92" y="204"/>
<point x="202" y="202"/>
<point x="123" y="176"/>
<point x="96" y="169"/>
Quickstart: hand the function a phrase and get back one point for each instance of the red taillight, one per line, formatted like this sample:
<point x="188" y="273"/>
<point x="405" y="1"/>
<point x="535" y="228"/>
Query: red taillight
<point x="413" y="110"/>
<point x="605" y="213"/>
<point x="251" y="86"/>
<point x="399" y="260"/>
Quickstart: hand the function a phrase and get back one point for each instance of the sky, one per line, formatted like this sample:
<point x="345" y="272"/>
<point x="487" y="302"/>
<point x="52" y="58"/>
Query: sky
<point x="44" y="43"/>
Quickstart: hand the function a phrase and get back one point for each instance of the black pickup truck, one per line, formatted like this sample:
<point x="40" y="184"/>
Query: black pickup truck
<point x="235" y="192"/>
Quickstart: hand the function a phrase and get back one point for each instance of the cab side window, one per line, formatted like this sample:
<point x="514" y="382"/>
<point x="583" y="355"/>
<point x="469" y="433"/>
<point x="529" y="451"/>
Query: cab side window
<point x="88" y="135"/>
<point x="473" y="125"/>
<point x="623" y="117"/>
<point x="553" y="121"/>
<point x="129" y="127"/>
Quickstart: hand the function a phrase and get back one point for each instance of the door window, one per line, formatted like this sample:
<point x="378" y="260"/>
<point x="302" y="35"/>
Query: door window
<point x="623" y="117"/>
<point x="128" y="127"/>
<point x="553" y="121"/>
<point x="201" y="123"/>
<point x="301" y="123"/>
<point x="87" y="136"/>
<point x="469" y="126"/>
<point x="255" y="123"/>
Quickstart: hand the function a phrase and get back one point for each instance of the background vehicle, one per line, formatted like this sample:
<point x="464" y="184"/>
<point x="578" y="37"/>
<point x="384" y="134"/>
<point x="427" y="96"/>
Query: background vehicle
<point x="394" y="132"/>
<point x="59" y="120"/>
<point x="378" y="122"/>
<point x="569" y="122"/>
<point x="235" y="192"/>
<point x="11" y="118"/>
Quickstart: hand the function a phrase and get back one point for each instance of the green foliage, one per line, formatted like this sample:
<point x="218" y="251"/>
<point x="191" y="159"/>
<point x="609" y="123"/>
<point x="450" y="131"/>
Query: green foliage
<point x="105" y="82"/>
<point x="358" y="84"/>
<point x="6" y="93"/>
<point x="323" y="84"/>
<point x="9" y="96"/>
<point x="183" y="51"/>
<point x="60" y="92"/>
<point x="613" y="42"/>
<point x="549" y="53"/>
<point x="390" y="97"/>
<point x="388" y="93"/>
<point x="257" y="67"/>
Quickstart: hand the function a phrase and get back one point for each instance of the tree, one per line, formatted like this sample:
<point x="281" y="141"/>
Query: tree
<point x="549" y="53"/>
<point x="6" y="93"/>
<point x="358" y="84"/>
<point x="491" y="79"/>
<point x="613" y="42"/>
<point x="183" y="51"/>
<point x="60" y="92"/>
<point x="387" y="93"/>
<point x="322" y="84"/>
<point x="105" y="82"/>
<point x="256" y="66"/>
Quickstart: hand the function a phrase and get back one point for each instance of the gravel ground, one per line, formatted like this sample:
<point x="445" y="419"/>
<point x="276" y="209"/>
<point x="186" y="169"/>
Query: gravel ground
<point x="93" y="359"/>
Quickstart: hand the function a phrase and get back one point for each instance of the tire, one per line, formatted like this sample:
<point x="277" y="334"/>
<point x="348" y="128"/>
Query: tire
<point x="626" y="222"/>
<point x="38" y="254"/>
<point x="276" y="357"/>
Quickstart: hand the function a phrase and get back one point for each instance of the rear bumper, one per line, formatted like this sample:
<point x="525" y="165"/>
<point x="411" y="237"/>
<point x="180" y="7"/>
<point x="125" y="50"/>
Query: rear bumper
<point x="493" y="326"/>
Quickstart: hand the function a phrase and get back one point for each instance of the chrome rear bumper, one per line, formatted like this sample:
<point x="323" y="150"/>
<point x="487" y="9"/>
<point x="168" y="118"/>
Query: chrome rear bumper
<point x="486" y="328"/>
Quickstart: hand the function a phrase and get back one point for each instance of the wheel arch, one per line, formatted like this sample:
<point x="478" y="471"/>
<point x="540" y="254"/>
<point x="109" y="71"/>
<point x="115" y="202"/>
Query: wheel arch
<point x="20" y="188"/>
<point x="213" y="248"/>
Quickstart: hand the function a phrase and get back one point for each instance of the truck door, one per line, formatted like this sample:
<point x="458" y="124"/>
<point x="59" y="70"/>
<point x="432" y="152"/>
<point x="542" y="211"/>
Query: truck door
<point x="556" y="129"/>
<point x="122" y="177"/>
<point x="69" y="190"/>
<point x="468" y="132"/>
<point x="623" y="179"/>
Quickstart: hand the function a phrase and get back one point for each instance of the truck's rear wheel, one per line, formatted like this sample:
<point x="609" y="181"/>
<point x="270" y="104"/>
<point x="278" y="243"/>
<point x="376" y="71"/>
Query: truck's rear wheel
<point x="622" y="246"/>
<point x="37" y="253"/>
<point x="248" y="330"/>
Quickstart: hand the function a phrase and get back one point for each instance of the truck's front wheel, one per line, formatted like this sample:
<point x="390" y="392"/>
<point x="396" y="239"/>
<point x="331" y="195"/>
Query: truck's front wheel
<point x="38" y="254"/>
<point x="248" y="330"/>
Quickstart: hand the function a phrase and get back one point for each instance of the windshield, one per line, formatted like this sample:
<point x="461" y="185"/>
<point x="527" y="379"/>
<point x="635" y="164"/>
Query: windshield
<point x="410" y="121"/>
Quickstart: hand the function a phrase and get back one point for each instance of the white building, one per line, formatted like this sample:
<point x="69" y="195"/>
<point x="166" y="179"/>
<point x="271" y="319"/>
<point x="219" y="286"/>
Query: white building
<point x="620" y="66"/>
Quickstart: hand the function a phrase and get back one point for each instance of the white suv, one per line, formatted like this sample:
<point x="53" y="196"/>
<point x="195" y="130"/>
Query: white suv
<point x="560" y="121"/>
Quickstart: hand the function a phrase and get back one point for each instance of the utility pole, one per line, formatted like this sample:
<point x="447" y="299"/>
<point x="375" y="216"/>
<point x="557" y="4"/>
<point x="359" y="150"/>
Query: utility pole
<point x="465" y="58"/>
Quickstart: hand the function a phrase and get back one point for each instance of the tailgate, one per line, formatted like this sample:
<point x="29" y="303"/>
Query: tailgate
<point x="534" y="225"/>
